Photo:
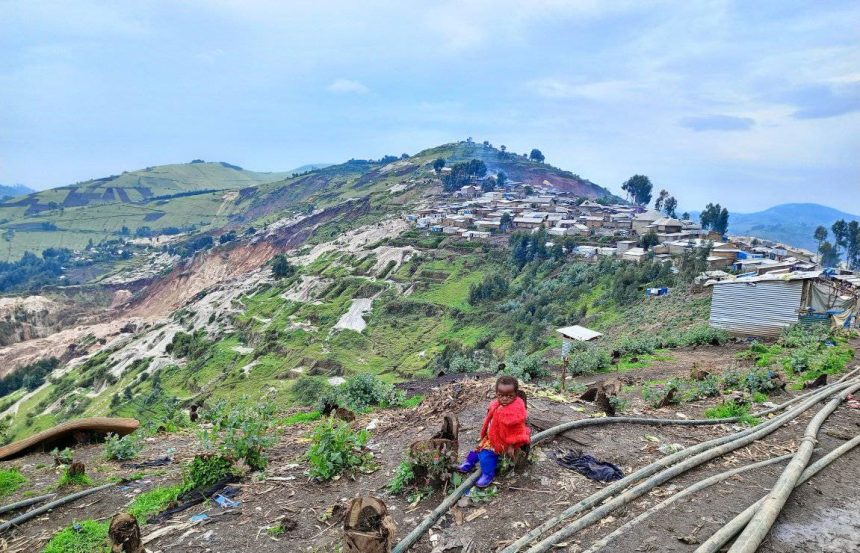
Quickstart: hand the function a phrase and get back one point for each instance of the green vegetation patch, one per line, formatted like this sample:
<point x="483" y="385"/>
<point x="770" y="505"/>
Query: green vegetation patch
<point x="730" y="409"/>
<point x="87" y="536"/>
<point x="10" y="481"/>
<point x="153" y="502"/>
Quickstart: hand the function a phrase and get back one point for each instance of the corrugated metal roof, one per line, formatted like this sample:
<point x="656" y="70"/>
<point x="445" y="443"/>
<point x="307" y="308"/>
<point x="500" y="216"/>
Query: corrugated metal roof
<point x="580" y="333"/>
<point x="768" y="277"/>
<point x="761" y="308"/>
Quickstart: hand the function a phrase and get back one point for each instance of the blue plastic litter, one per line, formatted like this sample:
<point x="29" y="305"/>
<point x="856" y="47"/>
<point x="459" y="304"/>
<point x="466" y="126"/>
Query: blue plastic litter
<point x="590" y="467"/>
<point x="225" y="502"/>
<point x="198" y="518"/>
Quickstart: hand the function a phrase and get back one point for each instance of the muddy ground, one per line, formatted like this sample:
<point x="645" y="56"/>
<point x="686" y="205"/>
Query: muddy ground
<point x="821" y="516"/>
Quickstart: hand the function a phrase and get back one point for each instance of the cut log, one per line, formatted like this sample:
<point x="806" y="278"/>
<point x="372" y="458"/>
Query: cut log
<point x="47" y="438"/>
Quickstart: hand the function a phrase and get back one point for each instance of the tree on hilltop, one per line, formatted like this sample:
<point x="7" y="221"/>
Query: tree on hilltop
<point x="537" y="155"/>
<point x="639" y="188"/>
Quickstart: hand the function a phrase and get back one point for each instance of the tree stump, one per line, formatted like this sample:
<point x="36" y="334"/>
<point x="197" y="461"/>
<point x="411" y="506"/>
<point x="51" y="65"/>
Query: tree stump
<point x="124" y="534"/>
<point x="76" y="469"/>
<point x="817" y="383"/>
<point x="601" y="392"/>
<point x="367" y="527"/>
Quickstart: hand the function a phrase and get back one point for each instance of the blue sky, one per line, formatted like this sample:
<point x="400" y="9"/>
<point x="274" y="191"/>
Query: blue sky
<point x="744" y="103"/>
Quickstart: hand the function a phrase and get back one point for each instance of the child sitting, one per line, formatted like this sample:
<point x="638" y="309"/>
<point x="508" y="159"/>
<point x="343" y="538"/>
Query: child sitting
<point x="503" y="432"/>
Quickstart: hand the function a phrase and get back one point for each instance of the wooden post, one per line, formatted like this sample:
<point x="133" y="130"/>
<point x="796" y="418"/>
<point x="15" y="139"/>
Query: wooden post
<point x="564" y="362"/>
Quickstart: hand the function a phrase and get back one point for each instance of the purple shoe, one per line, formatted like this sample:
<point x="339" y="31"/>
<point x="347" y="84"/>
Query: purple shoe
<point x="485" y="480"/>
<point x="469" y="465"/>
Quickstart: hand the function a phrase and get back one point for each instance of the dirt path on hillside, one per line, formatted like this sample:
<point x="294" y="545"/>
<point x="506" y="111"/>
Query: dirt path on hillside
<point x="524" y="499"/>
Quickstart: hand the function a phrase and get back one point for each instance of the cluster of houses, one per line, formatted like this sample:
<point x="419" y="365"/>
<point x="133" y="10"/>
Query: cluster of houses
<point x="602" y="230"/>
<point x="759" y="286"/>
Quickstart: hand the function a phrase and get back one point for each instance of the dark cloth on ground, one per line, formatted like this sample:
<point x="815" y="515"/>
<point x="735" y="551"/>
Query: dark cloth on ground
<point x="590" y="467"/>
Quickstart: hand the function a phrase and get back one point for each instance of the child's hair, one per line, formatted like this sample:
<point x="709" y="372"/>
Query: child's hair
<point x="507" y="380"/>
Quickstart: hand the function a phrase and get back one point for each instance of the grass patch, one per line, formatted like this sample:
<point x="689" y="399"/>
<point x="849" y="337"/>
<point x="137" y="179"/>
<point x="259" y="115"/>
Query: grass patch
<point x="153" y="502"/>
<point x="730" y="409"/>
<point x="69" y="479"/>
<point x="10" y="481"/>
<point x="413" y="401"/>
<point x="87" y="536"/>
<point x="298" y="418"/>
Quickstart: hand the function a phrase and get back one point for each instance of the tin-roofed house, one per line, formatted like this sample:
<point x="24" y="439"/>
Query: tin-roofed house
<point x="765" y="305"/>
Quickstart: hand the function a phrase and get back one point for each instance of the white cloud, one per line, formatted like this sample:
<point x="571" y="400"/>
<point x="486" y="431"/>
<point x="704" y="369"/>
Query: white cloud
<point x="347" y="86"/>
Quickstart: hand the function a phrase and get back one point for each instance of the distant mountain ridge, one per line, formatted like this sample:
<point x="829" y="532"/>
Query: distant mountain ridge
<point x="12" y="190"/>
<point x="792" y="224"/>
<point x="215" y="197"/>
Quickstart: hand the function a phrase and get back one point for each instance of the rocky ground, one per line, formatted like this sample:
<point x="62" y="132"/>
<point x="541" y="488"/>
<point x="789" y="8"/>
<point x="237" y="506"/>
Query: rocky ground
<point x="821" y="516"/>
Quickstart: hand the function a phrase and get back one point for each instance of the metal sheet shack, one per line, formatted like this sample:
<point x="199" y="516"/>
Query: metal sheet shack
<point x="765" y="305"/>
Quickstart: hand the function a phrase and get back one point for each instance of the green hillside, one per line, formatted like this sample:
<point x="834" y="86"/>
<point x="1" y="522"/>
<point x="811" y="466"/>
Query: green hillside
<point x="177" y="196"/>
<point x="202" y="197"/>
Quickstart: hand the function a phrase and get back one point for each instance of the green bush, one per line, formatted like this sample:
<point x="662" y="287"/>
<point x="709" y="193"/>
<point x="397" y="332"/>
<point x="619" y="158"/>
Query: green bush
<point x="336" y="448"/>
<point x="636" y="346"/>
<point x="63" y="456"/>
<point x="703" y="335"/>
<point x="525" y="367"/>
<point x="122" y="448"/>
<point x="588" y="359"/>
<point x="205" y="471"/>
<point x="241" y="431"/>
<point x="366" y="390"/>
<point x="403" y="478"/>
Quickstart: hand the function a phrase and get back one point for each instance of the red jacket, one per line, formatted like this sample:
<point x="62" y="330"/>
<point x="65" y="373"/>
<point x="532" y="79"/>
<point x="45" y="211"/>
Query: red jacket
<point x="505" y="426"/>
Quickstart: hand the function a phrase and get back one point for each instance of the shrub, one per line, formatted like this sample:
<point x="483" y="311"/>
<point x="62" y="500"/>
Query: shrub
<point x="636" y="346"/>
<point x="309" y="389"/>
<point x="707" y="387"/>
<point x="336" y="448"/>
<point x="63" y="456"/>
<point x="205" y="471"/>
<point x="760" y="381"/>
<point x="703" y="335"/>
<point x="281" y="267"/>
<point x="799" y="361"/>
<point x="403" y="477"/>
<point x="10" y="481"/>
<point x="588" y="359"/>
<point x="524" y="367"/>
<point x="87" y="536"/>
<point x="124" y="448"/>
<point x="366" y="390"/>
<point x="241" y="431"/>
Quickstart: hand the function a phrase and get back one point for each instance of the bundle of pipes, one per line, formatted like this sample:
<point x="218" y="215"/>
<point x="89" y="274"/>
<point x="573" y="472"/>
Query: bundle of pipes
<point x="669" y="467"/>
<point x="695" y="456"/>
